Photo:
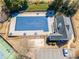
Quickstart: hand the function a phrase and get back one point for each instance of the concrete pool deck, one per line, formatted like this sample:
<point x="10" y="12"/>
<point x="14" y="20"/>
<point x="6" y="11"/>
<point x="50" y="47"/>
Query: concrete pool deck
<point x="13" y="32"/>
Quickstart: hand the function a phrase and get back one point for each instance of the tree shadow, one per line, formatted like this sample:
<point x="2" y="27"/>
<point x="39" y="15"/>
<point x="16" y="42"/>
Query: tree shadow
<point x="50" y="10"/>
<point x="61" y="43"/>
<point x="14" y="13"/>
<point x="58" y="43"/>
<point x="50" y="13"/>
<point x="49" y="42"/>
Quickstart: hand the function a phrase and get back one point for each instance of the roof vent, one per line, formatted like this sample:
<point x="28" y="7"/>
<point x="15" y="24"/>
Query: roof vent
<point x="67" y="26"/>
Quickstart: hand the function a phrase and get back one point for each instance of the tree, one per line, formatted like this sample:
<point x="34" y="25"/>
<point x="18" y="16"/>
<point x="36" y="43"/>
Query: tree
<point x="4" y="14"/>
<point x="55" y="5"/>
<point x="65" y="7"/>
<point x="16" y="5"/>
<point x="70" y="9"/>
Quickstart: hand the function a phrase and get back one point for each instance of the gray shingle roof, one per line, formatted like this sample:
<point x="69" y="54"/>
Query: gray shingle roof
<point x="60" y="29"/>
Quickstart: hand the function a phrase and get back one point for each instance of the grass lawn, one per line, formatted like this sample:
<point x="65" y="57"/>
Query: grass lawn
<point x="38" y="7"/>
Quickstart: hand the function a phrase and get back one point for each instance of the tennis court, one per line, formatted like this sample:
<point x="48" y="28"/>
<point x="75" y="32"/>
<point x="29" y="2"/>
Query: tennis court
<point x="6" y="51"/>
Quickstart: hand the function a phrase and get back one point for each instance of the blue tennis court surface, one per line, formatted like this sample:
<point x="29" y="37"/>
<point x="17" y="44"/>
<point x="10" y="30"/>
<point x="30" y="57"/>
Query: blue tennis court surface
<point x="24" y="23"/>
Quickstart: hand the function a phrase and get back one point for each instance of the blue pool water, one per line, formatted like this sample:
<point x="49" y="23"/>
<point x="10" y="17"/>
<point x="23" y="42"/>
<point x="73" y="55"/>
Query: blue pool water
<point x="24" y="23"/>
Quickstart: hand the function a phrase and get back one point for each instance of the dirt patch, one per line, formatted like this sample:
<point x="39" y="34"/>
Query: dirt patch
<point x="75" y="21"/>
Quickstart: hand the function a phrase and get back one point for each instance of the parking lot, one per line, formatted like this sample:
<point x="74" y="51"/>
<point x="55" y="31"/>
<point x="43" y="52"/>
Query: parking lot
<point x="48" y="53"/>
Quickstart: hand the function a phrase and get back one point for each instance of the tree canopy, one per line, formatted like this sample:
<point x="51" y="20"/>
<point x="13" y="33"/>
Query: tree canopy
<point x="65" y="7"/>
<point x="69" y="9"/>
<point x="16" y="5"/>
<point x="55" y="5"/>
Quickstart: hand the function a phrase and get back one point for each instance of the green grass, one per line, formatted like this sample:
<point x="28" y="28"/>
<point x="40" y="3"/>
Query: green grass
<point x="38" y="7"/>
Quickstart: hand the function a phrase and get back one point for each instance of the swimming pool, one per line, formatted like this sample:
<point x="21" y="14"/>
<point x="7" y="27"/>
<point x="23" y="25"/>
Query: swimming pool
<point x="24" y="23"/>
<point x="31" y="24"/>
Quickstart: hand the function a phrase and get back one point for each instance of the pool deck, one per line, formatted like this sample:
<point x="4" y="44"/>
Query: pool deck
<point x="12" y="31"/>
